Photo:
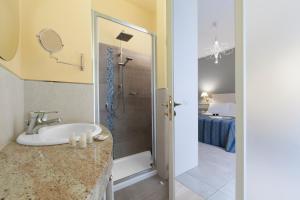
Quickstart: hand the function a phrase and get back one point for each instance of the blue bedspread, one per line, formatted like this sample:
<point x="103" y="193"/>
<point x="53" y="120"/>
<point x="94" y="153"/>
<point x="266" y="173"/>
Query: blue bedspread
<point x="217" y="132"/>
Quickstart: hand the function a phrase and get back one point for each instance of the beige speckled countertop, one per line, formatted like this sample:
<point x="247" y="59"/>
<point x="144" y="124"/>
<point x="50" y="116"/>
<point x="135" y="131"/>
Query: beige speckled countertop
<point x="58" y="172"/>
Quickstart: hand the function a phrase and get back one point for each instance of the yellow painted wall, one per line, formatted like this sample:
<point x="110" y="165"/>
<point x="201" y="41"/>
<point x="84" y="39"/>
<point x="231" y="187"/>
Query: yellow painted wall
<point x="156" y="22"/>
<point x="126" y="11"/>
<point x="9" y="28"/>
<point x="161" y="32"/>
<point x="72" y="20"/>
<point x="140" y="42"/>
<point x="9" y="41"/>
<point x="14" y="65"/>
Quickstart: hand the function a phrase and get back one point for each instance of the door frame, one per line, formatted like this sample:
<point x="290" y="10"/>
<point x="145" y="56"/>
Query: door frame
<point x="170" y="77"/>
<point x="96" y="59"/>
<point x="240" y="99"/>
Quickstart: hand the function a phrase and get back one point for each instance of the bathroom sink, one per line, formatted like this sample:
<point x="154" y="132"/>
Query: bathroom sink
<point x="58" y="134"/>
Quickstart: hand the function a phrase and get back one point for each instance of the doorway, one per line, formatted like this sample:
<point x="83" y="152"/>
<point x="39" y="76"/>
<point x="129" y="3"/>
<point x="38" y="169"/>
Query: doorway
<point x="183" y="59"/>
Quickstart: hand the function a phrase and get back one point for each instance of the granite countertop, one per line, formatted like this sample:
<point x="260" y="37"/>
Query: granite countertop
<point x="58" y="172"/>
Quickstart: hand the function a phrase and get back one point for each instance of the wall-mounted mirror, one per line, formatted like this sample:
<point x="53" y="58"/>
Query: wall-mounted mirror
<point x="9" y="28"/>
<point x="50" y="40"/>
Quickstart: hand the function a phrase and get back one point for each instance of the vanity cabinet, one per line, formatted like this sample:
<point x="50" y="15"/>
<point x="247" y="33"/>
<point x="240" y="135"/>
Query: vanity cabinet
<point x="58" y="172"/>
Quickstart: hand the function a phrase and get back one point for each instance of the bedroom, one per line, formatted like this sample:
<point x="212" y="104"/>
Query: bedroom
<point x="214" y="177"/>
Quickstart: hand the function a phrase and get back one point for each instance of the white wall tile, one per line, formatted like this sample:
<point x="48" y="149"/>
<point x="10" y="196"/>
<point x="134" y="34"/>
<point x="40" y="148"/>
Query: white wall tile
<point x="74" y="101"/>
<point x="11" y="106"/>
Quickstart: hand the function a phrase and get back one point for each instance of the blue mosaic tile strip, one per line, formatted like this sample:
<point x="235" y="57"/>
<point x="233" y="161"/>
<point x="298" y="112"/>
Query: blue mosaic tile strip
<point x="109" y="87"/>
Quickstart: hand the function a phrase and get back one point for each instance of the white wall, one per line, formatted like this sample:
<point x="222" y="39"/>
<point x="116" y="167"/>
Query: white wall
<point x="11" y="106"/>
<point x="272" y="78"/>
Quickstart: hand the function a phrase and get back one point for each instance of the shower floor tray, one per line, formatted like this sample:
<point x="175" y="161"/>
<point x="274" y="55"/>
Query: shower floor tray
<point x="130" y="165"/>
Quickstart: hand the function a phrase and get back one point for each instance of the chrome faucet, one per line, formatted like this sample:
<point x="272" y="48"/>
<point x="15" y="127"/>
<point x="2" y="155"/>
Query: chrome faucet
<point x="40" y="119"/>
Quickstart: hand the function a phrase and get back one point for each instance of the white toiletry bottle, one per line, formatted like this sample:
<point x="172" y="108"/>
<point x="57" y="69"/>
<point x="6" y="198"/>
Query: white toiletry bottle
<point x="90" y="138"/>
<point x="83" y="141"/>
<point x="72" y="140"/>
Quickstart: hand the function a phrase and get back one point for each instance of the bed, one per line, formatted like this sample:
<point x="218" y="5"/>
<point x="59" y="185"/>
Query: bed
<point x="218" y="130"/>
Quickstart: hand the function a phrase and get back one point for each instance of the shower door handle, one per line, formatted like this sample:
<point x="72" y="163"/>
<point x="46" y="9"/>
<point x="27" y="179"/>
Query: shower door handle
<point x="107" y="108"/>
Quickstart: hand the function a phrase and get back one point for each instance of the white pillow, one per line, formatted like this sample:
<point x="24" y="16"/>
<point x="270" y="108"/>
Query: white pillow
<point x="231" y="109"/>
<point x="223" y="109"/>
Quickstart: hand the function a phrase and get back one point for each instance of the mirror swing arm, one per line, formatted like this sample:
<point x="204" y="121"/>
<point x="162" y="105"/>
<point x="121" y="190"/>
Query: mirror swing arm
<point x="81" y="65"/>
<point x="52" y="42"/>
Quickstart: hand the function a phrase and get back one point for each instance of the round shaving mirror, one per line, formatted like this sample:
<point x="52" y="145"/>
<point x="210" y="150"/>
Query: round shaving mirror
<point x="50" y="40"/>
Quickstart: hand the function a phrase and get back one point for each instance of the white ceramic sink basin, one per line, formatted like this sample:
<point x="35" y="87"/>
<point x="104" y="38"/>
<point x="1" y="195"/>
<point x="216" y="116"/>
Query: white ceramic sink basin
<point x="58" y="134"/>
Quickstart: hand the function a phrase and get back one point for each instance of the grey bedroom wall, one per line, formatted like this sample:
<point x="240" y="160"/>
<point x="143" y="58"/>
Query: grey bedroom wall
<point x="217" y="78"/>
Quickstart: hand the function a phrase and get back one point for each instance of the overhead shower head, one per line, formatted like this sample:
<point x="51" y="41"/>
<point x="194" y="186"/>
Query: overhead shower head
<point x="125" y="37"/>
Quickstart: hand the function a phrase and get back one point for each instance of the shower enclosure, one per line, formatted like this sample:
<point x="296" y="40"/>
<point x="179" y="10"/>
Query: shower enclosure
<point x="126" y="102"/>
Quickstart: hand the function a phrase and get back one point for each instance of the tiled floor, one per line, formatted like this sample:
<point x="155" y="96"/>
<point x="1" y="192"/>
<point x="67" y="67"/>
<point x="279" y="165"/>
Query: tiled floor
<point x="183" y="193"/>
<point x="214" y="177"/>
<point x="149" y="189"/>
<point x="152" y="189"/>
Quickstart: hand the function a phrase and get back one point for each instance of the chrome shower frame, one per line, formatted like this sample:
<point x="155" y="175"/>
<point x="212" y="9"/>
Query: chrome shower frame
<point x="95" y="16"/>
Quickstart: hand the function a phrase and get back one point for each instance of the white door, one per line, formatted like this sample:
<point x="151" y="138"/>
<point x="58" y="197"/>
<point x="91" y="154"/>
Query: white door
<point x="272" y="96"/>
<point x="183" y="86"/>
<point x="185" y="70"/>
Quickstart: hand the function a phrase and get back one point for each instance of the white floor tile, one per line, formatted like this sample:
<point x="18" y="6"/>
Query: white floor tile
<point x="183" y="193"/>
<point x="214" y="176"/>
<point x="229" y="189"/>
<point x="220" y="196"/>
<point x="197" y="186"/>
<point x="210" y="175"/>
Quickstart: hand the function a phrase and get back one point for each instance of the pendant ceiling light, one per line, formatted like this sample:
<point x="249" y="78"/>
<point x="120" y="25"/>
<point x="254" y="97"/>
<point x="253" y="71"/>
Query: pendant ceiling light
<point x="218" y="49"/>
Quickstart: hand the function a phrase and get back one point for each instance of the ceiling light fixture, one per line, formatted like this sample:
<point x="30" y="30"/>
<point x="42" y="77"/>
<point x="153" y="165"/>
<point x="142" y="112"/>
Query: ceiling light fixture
<point x="218" y="49"/>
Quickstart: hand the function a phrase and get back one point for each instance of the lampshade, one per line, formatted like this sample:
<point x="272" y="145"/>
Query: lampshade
<point x="204" y="94"/>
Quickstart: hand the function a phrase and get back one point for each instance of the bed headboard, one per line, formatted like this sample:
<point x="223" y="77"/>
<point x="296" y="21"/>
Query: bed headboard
<point x="224" y="98"/>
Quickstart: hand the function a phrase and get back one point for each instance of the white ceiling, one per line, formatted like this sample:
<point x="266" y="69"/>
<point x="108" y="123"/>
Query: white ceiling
<point x="149" y="5"/>
<point x="221" y="11"/>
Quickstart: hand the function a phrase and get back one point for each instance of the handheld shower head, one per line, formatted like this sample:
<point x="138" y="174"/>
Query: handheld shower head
<point x="129" y="59"/>
<point x="126" y="61"/>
